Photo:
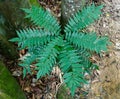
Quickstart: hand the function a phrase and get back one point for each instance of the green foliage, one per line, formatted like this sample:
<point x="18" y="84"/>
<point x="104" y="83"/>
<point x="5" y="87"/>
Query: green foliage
<point x="84" y="18"/>
<point x="44" y="19"/>
<point x="72" y="67"/>
<point x="71" y="51"/>
<point x="47" y="58"/>
<point x="88" y="41"/>
<point x="32" y="37"/>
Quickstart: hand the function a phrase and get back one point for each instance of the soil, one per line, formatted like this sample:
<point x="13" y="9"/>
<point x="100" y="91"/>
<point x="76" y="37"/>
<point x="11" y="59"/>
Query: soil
<point x="104" y="83"/>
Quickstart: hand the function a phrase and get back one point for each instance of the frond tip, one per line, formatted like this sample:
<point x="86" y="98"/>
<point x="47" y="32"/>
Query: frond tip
<point x="83" y="18"/>
<point x="43" y="18"/>
<point x="32" y="37"/>
<point x="89" y="41"/>
<point x="71" y="66"/>
<point x="73" y="81"/>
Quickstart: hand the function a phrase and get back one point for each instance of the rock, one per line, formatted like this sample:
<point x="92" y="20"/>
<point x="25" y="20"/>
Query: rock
<point x="11" y="19"/>
<point x="9" y="88"/>
<point x="17" y="73"/>
<point x="7" y="49"/>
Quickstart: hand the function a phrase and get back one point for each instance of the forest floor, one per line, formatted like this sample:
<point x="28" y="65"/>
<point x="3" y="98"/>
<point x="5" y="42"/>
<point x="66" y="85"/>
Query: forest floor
<point x="104" y="83"/>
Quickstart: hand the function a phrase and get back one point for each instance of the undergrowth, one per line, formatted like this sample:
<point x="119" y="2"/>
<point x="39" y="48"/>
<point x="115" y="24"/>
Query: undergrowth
<point x="71" y="50"/>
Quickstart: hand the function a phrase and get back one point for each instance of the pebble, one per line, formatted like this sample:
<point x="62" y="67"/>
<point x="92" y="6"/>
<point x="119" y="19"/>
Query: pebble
<point x="34" y="80"/>
<point x="17" y="73"/>
<point x="117" y="45"/>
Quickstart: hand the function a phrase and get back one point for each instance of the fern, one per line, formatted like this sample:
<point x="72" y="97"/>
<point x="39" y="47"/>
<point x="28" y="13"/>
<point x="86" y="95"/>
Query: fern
<point x="47" y="58"/>
<point x="73" y="69"/>
<point x="28" y="60"/>
<point x="88" y="41"/>
<point x="84" y="18"/>
<point x="71" y="51"/>
<point x="32" y="37"/>
<point x="44" y="19"/>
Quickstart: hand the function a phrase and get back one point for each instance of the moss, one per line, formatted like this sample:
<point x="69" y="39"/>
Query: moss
<point x="4" y="96"/>
<point x="8" y="85"/>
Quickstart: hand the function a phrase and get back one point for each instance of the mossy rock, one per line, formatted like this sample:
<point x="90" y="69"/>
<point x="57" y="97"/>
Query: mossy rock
<point x="4" y="96"/>
<point x="7" y="49"/>
<point x="9" y="88"/>
<point x="11" y="19"/>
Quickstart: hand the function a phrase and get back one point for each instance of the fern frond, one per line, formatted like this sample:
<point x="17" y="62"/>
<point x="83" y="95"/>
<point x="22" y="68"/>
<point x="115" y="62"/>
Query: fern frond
<point x="73" y="81"/>
<point x="67" y="57"/>
<point x="88" y="41"/>
<point x="85" y="57"/>
<point x="71" y="65"/>
<point x="26" y="62"/>
<point x="32" y="37"/>
<point x="47" y="58"/>
<point x="44" y="19"/>
<point x="35" y="50"/>
<point x="31" y="57"/>
<point x="83" y="18"/>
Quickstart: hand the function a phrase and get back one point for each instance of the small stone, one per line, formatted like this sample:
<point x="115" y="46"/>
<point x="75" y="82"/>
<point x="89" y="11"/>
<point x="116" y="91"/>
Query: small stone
<point x="17" y="73"/>
<point x="117" y="46"/>
<point x="33" y="84"/>
<point x="34" y="80"/>
<point x="27" y="89"/>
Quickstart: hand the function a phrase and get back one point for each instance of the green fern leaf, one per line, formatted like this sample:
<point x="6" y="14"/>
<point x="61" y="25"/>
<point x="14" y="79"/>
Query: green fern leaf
<point x="26" y="62"/>
<point x="32" y="37"/>
<point x="88" y="41"/>
<point x="71" y="65"/>
<point x="84" y="18"/>
<point x="44" y="19"/>
<point x="36" y="50"/>
<point x="73" y="81"/>
<point x="47" y="59"/>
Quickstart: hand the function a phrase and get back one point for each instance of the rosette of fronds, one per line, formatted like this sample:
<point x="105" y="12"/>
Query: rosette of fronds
<point x="71" y="51"/>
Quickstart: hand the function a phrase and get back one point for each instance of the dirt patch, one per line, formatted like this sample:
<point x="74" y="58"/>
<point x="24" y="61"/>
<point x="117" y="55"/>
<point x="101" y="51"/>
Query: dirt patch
<point x="106" y="84"/>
